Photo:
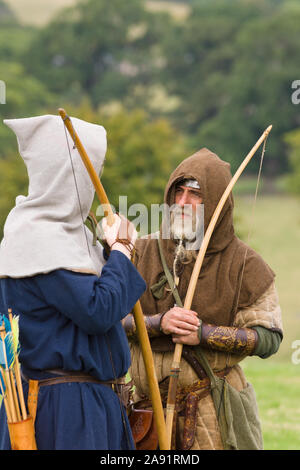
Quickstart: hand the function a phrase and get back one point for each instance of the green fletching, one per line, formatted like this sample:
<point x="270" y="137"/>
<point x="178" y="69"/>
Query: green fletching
<point x="15" y="332"/>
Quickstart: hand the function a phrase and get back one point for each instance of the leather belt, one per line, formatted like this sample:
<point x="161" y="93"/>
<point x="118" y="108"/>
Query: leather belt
<point x="64" y="376"/>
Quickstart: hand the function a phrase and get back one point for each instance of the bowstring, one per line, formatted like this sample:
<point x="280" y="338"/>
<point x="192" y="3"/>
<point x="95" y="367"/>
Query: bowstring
<point x="249" y="235"/>
<point x="76" y="185"/>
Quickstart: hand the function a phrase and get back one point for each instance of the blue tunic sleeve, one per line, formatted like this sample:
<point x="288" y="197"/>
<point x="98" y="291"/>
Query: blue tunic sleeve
<point x="94" y="304"/>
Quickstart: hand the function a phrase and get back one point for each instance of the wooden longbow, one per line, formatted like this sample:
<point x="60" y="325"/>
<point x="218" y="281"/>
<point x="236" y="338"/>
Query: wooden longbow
<point x="137" y="310"/>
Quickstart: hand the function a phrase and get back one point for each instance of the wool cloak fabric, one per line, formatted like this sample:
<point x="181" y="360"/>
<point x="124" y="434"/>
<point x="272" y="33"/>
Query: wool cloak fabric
<point x="45" y="231"/>
<point x="223" y="285"/>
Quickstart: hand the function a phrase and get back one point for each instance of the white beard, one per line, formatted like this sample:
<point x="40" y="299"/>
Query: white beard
<point x="189" y="229"/>
<point x="183" y="228"/>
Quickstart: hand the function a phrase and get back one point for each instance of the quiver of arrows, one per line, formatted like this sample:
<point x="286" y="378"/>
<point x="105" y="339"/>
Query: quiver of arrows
<point x="20" y="424"/>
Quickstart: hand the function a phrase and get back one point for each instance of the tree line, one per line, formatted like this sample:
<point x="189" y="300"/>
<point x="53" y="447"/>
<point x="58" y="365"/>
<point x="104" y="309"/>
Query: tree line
<point x="162" y="86"/>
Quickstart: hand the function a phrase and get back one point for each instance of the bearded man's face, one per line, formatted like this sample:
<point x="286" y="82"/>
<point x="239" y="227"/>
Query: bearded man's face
<point x="186" y="214"/>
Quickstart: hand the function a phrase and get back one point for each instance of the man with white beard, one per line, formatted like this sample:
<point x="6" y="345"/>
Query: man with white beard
<point x="235" y="312"/>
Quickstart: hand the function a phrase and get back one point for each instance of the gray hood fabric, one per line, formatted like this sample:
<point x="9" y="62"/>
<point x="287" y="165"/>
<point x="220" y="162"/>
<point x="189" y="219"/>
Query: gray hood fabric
<point x="45" y="230"/>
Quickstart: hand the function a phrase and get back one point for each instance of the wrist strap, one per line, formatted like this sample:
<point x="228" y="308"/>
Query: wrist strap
<point x="127" y="243"/>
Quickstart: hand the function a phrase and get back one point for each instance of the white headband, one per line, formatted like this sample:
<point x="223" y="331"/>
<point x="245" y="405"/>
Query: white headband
<point x="189" y="183"/>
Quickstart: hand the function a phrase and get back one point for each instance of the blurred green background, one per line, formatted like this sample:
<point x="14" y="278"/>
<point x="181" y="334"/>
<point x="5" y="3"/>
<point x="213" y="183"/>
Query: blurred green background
<point x="166" y="78"/>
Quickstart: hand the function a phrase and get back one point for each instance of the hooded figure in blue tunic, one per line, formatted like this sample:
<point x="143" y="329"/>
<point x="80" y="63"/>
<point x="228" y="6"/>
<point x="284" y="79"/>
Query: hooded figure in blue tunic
<point x="69" y="297"/>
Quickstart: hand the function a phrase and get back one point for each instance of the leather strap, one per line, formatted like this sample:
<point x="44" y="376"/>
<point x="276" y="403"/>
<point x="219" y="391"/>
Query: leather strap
<point x="33" y="398"/>
<point x="71" y="378"/>
<point x="169" y="276"/>
<point x="63" y="376"/>
<point x="165" y="344"/>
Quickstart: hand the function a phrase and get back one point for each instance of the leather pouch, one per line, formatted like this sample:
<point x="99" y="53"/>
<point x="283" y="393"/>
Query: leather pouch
<point x="143" y="429"/>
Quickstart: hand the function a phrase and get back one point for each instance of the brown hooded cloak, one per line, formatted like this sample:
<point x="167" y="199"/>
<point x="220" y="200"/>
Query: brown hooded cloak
<point x="233" y="276"/>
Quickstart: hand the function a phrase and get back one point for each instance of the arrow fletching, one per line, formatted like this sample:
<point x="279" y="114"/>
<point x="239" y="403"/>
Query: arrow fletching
<point x="12" y="324"/>
<point x="7" y="351"/>
<point x="2" y="385"/>
<point x="2" y="388"/>
<point x="5" y="320"/>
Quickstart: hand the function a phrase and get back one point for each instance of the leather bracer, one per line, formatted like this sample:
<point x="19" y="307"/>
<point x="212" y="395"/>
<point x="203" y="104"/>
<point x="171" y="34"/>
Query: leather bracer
<point x="152" y="325"/>
<point x="228" y="339"/>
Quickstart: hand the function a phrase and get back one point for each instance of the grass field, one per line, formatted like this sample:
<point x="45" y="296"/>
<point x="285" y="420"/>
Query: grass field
<point x="277" y="387"/>
<point x="274" y="225"/>
<point x="38" y="13"/>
